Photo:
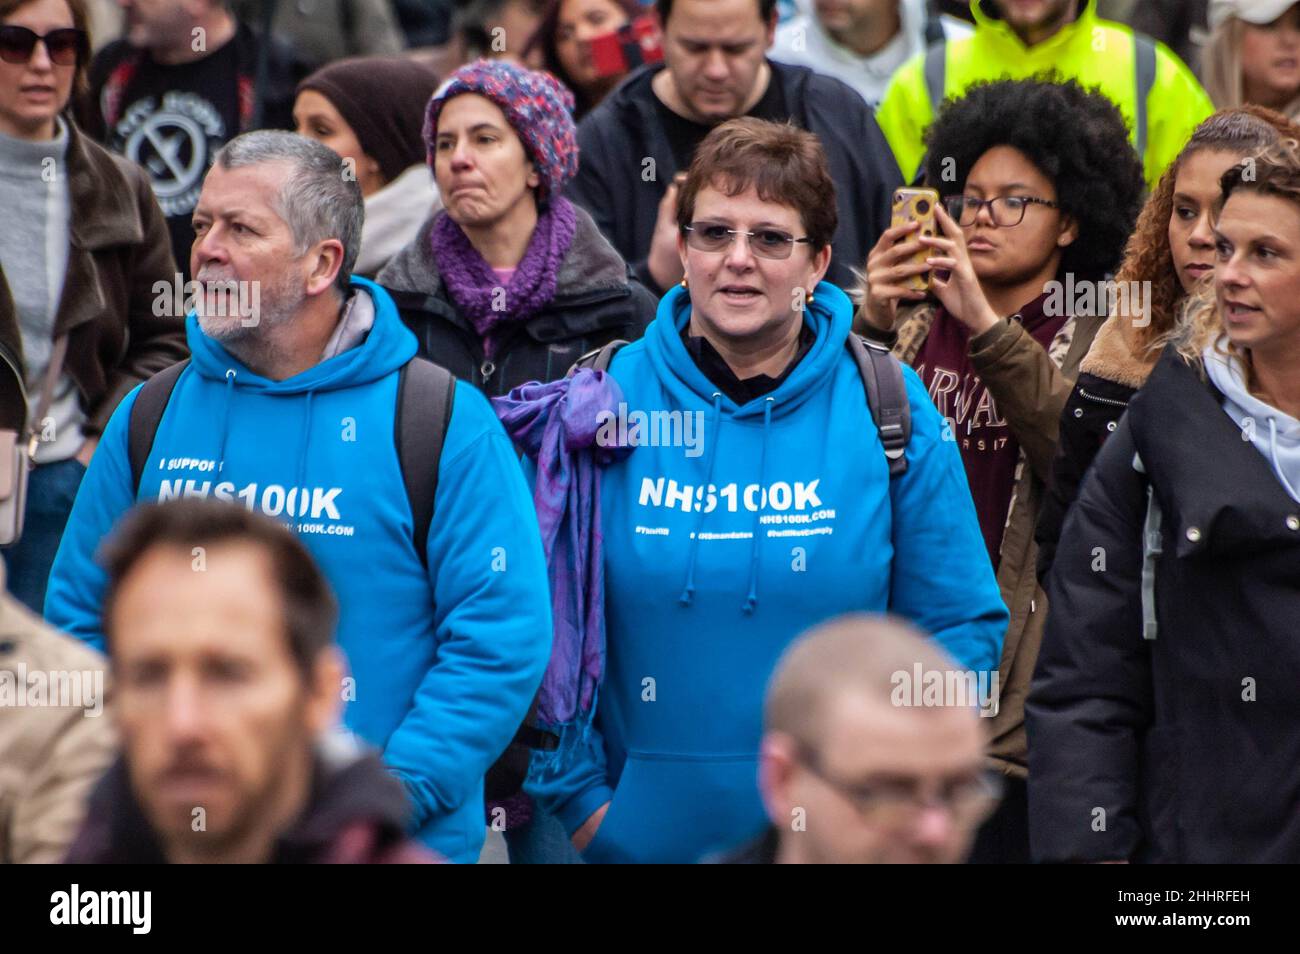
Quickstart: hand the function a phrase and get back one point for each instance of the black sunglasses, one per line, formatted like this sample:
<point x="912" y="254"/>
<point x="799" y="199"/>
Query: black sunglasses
<point x="65" y="46"/>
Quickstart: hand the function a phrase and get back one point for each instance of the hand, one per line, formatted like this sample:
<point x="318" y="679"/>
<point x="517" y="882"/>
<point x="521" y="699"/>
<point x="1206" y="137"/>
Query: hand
<point x="664" y="262"/>
<point x="87" y="450"/>
<point x="887" y="268"/>
<point x="582" y="837"/>
<point x="960" y="292"/>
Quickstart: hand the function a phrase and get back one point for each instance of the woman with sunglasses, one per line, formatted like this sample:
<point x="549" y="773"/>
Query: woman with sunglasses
<point x="83" y="247"/>
<point x="751" y="499"/>
<point x="1043" y="192"/>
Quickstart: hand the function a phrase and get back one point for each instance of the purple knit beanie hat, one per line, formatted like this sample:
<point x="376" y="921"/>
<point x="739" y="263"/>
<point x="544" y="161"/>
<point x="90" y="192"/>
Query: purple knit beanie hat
<point x="538" y="107"/>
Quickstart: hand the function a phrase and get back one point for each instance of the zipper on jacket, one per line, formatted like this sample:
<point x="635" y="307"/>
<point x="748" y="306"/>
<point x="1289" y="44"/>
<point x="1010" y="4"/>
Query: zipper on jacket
<point x="486" y="369"/>
<point x="1102" y="400"/>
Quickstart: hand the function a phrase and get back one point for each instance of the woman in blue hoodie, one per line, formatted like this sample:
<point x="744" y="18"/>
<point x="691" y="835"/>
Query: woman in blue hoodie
<point x="752" y="499"/>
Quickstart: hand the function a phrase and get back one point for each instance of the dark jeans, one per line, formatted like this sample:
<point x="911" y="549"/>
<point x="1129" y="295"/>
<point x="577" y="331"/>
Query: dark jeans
<point x="541" y="842"/>
<point x="51" y="488"/>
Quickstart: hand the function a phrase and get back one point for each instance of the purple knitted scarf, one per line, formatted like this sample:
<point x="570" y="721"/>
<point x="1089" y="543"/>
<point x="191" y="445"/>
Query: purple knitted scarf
<point x="472" y="284"/>
<point x="556" y="425"/>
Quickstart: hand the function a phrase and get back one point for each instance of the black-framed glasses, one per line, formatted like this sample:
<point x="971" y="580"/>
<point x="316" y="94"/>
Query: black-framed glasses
<point x="898" y="804"/>
<point x="65" y="46"/>
<point x="765" y="243"/>
<point x="1007" y="211"/>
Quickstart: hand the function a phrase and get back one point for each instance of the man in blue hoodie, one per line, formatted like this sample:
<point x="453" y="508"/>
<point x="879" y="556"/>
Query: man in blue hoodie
<point x="288" y="407"/>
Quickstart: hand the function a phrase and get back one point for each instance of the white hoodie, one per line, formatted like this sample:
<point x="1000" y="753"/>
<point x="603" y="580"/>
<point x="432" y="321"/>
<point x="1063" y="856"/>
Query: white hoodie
<point x="803" y="41"/>
<point x="1275" y="435"/>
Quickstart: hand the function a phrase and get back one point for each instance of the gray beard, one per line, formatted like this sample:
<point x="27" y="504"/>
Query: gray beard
<point x="257" y="345"/>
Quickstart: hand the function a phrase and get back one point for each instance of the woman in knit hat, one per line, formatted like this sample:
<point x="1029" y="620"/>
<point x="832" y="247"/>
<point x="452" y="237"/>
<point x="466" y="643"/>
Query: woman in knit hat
<point x="369" y="110"/>
<point x="511" y="282"/>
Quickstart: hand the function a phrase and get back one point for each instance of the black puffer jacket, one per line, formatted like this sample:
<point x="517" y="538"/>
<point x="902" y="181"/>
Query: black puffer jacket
<point x="596" y="301"/>
<point x="1185" y="747"/>
<point x="1091" y="414"/>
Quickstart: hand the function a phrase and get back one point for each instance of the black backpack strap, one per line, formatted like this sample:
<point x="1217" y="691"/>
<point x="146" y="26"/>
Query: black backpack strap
<point x="882" y="379"/>
<point x="935" y="70"/>
<point x="1145" y="59"/>
<point x="146" y="415"/>
<point x="425" y="393"/>
<point x="598" y="359"/>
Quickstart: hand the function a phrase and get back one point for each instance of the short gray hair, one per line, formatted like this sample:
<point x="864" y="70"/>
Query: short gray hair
<point x="317" y="201"/>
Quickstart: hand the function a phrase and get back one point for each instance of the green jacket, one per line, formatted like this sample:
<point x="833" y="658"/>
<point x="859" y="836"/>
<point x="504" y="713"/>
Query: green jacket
<point x="1096" y="52"/>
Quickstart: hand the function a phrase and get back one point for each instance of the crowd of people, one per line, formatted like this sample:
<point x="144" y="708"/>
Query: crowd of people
<point x="538" y="423"/>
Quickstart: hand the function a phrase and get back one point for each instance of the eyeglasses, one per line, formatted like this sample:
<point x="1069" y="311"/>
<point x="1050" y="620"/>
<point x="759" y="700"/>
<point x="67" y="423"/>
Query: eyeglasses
<point x="65" y="46"/>
<point x="765" y="243"/>
<point x="1007" y="211"/>
<point x="898" y="805"/>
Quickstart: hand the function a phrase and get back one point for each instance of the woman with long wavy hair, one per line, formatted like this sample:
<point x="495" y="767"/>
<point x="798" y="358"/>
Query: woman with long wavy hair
<point x="1165" y="689"/>
<point x="1170" y="251"/>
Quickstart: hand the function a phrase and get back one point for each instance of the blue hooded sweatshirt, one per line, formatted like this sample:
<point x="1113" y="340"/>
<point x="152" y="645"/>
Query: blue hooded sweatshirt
<point x="446" y="661"/>
<point x="719" y="553"/>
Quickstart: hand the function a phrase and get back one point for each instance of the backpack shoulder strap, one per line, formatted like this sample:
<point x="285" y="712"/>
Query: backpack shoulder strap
<point x="882" y="379"/>
<point x="598" y="359"/>
<point x="1144" y="54"/>
<point x="425" y="393"/>
<point x="146" y="415"/>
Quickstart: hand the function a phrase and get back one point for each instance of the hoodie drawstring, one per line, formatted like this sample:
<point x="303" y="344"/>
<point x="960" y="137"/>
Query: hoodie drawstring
<point x="751" y="600"/>
<point x="1277" y="467"/>
<point x="688" y="593"/>
<point x="302" y="456"/>
<point x="225" y="419"/>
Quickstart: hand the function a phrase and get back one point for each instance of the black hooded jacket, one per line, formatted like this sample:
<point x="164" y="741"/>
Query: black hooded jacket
<point x="1184" y="747"/>
<point x="618" y="186"/>
<point x="356" y="814"/>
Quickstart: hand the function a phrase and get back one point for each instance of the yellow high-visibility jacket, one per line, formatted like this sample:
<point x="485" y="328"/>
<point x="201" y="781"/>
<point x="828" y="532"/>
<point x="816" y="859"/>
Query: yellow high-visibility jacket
<point x="1160" y="98"/>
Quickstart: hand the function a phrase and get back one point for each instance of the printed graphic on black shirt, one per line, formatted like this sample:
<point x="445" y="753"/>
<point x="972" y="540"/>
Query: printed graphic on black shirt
<point x="172" y="122"/>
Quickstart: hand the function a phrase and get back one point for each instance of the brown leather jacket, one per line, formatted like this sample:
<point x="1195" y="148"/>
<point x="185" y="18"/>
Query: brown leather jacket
<point x="1030" y="387"/>
<point x="119" y="249"/>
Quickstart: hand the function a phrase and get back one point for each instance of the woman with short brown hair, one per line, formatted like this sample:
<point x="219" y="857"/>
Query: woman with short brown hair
<point x="740" y="493"/>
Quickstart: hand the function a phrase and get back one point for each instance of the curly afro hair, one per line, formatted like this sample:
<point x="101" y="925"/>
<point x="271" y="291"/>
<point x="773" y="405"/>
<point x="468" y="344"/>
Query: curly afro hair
<point x="1076" y="137"/>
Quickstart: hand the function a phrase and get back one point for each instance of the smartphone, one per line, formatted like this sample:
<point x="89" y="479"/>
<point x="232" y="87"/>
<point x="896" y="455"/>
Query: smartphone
<point x="634" y="44"/>
<point x="916" y="205"/>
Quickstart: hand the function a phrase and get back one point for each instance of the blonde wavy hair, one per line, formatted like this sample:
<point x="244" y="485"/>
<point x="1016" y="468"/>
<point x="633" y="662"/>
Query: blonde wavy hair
<point x="1274" y="172"/>
<point x="1245" y="130"/>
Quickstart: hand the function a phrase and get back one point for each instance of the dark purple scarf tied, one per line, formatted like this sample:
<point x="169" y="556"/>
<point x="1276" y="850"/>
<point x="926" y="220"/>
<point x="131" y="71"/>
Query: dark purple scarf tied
<point x="473" y="285"/>
<point x="559" y="426"/>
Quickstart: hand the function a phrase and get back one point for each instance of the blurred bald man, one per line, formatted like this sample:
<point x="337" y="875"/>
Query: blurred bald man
<point x="872" y="751"/>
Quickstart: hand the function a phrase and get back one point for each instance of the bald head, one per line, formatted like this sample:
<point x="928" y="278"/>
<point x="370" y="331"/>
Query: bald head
<point x="873" y="749"/>
<point x="857" y="654"/>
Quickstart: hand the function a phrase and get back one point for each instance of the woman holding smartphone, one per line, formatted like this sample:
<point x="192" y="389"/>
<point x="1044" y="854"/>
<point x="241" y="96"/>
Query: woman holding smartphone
<point x="1037" y="214"/>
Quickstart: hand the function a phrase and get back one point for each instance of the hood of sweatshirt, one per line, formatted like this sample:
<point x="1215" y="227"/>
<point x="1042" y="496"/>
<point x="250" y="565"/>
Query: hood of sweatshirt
<point x="387" y="346"/>
<point x="830" y="315"/>
<point x="1275" y="434"/>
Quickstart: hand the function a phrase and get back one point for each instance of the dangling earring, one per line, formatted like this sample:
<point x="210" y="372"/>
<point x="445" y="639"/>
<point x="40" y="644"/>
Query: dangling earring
<point x="812" y="297"/>
<point x="684" y="285"/>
